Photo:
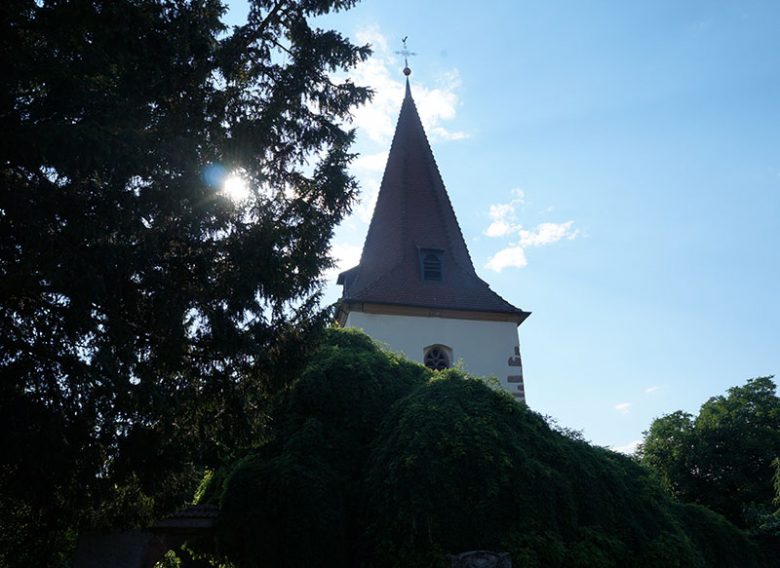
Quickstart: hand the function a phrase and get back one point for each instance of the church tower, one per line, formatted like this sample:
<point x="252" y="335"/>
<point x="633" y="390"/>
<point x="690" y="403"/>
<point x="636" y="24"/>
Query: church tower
<point x="415" y="289"/>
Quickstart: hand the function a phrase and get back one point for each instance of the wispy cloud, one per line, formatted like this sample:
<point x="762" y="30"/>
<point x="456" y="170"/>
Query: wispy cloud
<point x="372" y="163"/>
<point x="436" y="104"/>
<point x="503" y="223"/>
<point x="499" y="228"/>
<point x="369" y="193"/>
<point x="627" y="449"/>
<point x="649" y="390"/>
<point x="547" y="233"/>
<point x="503" y="216"/>
<point x="513" y="256"/>
<point x="623" y="407"/>
<point x="345" y="257"/>
<point x="368" y="169"/>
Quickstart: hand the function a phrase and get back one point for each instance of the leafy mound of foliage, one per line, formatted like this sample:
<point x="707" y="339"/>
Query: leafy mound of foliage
<point x="376" y="461"/>
<point x="293" y="502"/>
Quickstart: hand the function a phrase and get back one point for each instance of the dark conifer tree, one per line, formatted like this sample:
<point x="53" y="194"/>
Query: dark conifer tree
<point x="145" y="316"/>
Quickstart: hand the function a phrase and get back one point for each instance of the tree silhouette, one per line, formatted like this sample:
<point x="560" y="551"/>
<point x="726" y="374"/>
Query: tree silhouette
<point x="145" y="315"/>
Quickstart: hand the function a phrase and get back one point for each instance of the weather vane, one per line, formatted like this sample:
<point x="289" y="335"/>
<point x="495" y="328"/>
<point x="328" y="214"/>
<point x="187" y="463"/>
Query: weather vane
<point x="407" y="54"/>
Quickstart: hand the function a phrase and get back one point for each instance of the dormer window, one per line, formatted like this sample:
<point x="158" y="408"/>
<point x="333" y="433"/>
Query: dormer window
<point x="431" y="264"/>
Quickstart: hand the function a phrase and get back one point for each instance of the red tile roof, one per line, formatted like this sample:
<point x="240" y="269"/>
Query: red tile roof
<point x="413" y="212"/>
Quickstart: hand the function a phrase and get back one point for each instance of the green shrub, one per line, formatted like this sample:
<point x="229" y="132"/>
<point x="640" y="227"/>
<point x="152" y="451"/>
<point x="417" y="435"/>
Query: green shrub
<point x="376" y="461"/>
<point x="296" y="501"/>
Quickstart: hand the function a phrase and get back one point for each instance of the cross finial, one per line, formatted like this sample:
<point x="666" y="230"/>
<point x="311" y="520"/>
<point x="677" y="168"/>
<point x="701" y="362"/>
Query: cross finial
<point x="407" y="54"/>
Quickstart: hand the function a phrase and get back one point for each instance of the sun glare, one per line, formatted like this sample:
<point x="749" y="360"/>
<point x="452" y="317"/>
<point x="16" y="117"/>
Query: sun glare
<point x="235" y="187"/>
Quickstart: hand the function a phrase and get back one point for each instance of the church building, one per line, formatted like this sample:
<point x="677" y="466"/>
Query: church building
<point x="415" y="289"/>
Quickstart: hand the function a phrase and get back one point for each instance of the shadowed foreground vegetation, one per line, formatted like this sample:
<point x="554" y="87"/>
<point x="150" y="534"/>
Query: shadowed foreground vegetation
<point x="376" y="461"/>
<point x="147" y="313"/>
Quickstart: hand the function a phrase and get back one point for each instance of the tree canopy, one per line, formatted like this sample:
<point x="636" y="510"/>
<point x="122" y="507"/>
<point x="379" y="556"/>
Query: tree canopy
<point x="723" y="457"/>
<point x="375" y="461"/>
<point x="145" y="316"/>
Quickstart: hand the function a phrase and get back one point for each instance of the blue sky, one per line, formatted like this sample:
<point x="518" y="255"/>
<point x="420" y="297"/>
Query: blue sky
<point x="615" y="169"/>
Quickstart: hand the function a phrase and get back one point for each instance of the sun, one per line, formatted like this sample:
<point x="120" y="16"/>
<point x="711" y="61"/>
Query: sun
<point x="235" y="188"/>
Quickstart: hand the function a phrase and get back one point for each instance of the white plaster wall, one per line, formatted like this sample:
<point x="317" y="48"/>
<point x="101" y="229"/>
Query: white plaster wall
<point x="483" y="347"/>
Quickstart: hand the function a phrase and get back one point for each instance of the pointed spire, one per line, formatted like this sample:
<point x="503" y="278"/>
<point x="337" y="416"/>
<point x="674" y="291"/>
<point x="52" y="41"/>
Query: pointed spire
<point x="414" y="217"/>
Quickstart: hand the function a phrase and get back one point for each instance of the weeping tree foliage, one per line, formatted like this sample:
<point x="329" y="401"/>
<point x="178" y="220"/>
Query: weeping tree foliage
<point x="145" y="315"/>
<point x="374" y="461"/>
<point x="294" y="502"/>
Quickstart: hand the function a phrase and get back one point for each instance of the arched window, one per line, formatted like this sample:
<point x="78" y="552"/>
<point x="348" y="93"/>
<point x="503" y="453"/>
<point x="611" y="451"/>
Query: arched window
<point x="437" y="357"/>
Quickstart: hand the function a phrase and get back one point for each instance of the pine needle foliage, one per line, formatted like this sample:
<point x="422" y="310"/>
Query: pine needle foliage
<point x="145" y="316"/>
